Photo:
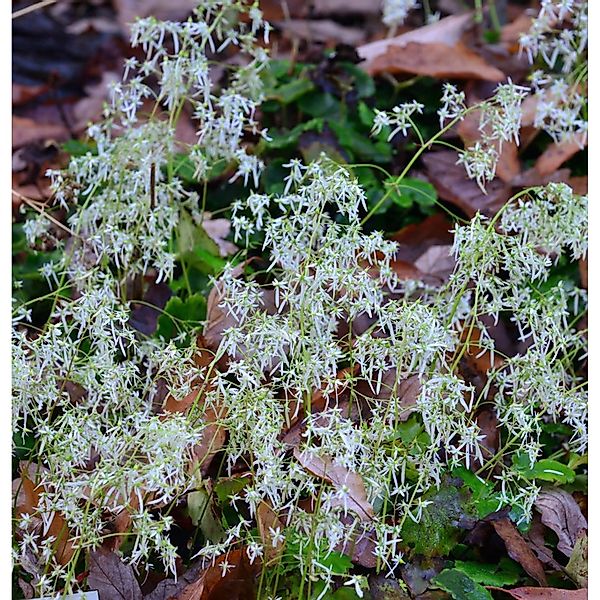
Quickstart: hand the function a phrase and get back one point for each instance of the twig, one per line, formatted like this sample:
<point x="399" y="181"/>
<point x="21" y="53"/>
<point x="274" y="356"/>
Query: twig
<point x="28" y="9"/>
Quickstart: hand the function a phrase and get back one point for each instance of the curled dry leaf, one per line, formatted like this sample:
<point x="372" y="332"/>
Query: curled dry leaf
<point x="562" y="514"/>
<point x="536" y="541"/>
<point x="218" y="230"/>
<point x="519" y="550"/>
<point x="341" y="478"/>
<point x="112" y="577"/>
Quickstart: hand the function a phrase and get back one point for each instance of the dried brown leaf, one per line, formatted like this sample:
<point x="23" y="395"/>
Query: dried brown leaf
<point x="112" y="578"/>
<point x="238" y="583"/>
<point x="558" y="153"/>
<point x="562" y="514"/>
<point x="340" y="477"/>
<point x="519" y="550"/>
<point x="434" y="60"/>
<point x="453" y="185"/>
<point x="268" y="522"/>
<point x="446" y="31"/>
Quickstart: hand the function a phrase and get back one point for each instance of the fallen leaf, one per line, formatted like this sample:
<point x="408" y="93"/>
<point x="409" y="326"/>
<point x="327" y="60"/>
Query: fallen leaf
<point x="22" y="94"/>
<point x="579" y="184"/>
<point x="26" y="131"/>
<point x="359" y="543"/>
<point x="562" y="514"/>
<point x="218" y="230"/>
<point x="268" y="522"/>
<point x="519" y="550"/>
<point x="416" y="238"/>
<point x="577" y="567"/>
<point x="558" y="153"/>
<point x="536" y="541"/>
<point x="436" y="261"/>
<point x="237" y="583"/>
<point x="345" y="7"/>
<point x="418" y="572"/>
<point x="446" y="31"/>
<point x="213" y="439"/>
<point x="453" y="185"/>
<point x="434" y="60"/>
<point x="340" y="477"/>
<point x="544" y="593"/>
<point x="112" y="577"/>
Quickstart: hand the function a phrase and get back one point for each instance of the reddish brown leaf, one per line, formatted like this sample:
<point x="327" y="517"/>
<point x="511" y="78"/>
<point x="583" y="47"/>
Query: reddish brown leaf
<point x="213" y="438"/>
<point x="579" y="184"/>
<point x="339" y="476"/>
<point x="446" y="31"/>
<point x="237" y="583"/>
<point x="268" y="522"/>
<point x="25" y="131"/>
<point x="558" y="153"/>
<point x="434" y="60"/>
<point x="518" y="549"/>
<point x="509" y="165"/>
<point x="561" y="513"/>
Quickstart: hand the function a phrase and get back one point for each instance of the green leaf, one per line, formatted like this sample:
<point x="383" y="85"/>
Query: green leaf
<point x="191" y="311"/>
<point x="506" y="572"/>
<point x="318" y="104"/>
<point x="485" y="500"/>
<point x="363" y="82"/>
<point x="438" y="530"/>
<point x="410" y="190"/>
<point x="78" y="148"/>
<point x="339" y="563"/>
<point x="545" y="469"/>
<point x="365" y="114"/>
<point x="202" y="516"/>
<point x="359" y="143"/>
<point x="290" y="137"/>
<point x="460" y="586"/>
<point x="289" y="92"/>
<point x="228" y="486"/>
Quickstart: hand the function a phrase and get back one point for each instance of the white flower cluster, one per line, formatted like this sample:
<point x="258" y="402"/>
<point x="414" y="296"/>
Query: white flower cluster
<point x="131" y="197"/>
<point x="559" y="35"/>
<point x="399" y="118"/>
<point x="500" y="122"/>
<point x="288" y="348"/>
<point x="85" y="388"/>
<point x="505" y="262"/>
<point x="396" y="11"/>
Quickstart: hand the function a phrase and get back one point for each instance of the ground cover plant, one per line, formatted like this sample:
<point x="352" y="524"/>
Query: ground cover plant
<point x="332" y="344"/>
